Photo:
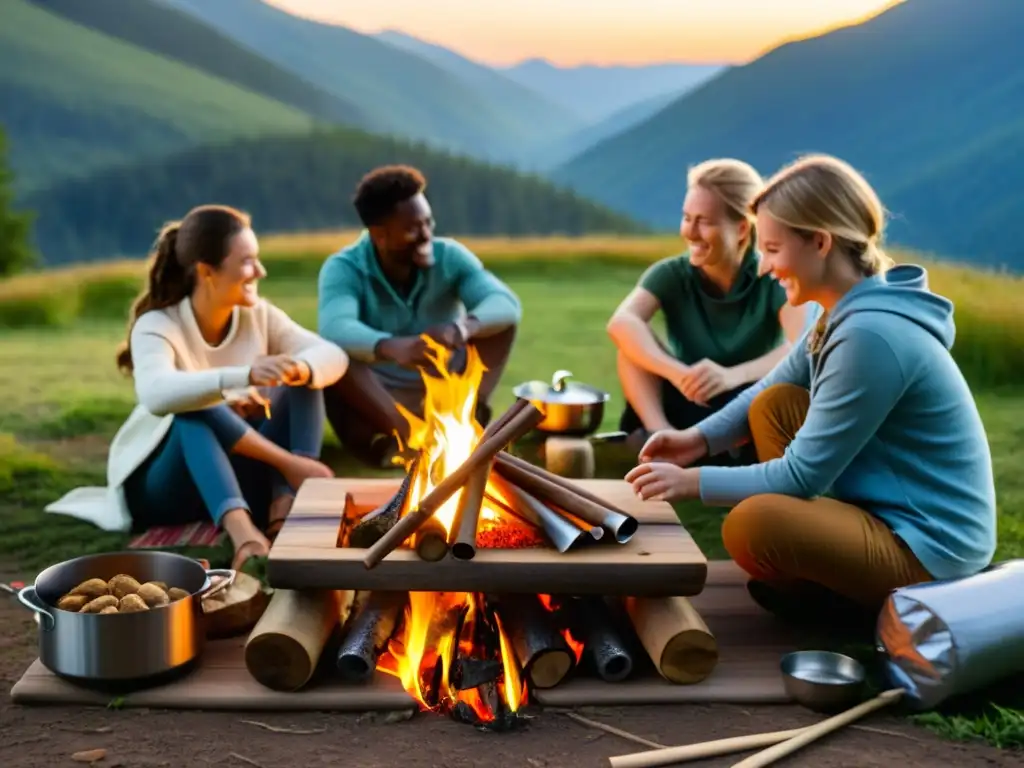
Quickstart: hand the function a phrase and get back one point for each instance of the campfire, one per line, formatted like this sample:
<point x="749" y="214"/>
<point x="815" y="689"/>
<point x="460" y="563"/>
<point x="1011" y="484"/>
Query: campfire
<point x="475" y="656"/>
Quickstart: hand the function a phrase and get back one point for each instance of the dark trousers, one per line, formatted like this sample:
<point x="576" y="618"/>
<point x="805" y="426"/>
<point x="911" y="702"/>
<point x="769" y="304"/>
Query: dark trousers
<point x="681" y="413"/>
<point x="363" y="413"/>
<point x="193" y="475"/>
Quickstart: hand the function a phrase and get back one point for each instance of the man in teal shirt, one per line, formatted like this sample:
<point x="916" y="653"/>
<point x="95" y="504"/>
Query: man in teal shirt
<point x="379" y="295"/>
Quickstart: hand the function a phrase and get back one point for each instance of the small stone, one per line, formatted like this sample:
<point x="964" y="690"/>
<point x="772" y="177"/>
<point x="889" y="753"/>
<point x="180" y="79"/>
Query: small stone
<point x="89" y="755"/>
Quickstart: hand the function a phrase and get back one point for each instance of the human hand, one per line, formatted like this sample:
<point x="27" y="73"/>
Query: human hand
<point x="680" y="447"/>
<point x="247" y="403"/>
<point x="451" y="335"/>
<point x="705" y="380"/>
<point x="406" y="351"/>
<point x="272" y="370"/>
<point x="662" y="481"/>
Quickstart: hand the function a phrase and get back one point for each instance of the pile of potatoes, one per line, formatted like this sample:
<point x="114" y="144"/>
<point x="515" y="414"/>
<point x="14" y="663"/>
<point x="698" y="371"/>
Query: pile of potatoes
<point x="122" y="594"/>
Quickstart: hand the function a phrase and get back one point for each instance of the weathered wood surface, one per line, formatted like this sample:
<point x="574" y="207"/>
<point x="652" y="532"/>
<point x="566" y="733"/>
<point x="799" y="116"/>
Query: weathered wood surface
<point x="662" y="559"/>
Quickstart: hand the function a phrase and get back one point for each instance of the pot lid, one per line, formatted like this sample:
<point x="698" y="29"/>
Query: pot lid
<point x="561" y="391"/>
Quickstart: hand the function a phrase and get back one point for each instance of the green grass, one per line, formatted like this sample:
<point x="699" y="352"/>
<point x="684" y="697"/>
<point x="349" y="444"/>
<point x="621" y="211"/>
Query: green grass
<point x="63" y="400"/>
<point x="73" y="100"/>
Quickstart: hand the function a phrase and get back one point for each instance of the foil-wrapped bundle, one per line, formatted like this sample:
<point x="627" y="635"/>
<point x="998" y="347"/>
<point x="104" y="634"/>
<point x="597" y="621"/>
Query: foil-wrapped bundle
<point x="947" y="638"/>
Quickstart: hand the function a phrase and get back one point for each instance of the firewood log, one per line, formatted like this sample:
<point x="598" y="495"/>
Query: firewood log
<point x="285" y="646"/>
<point x="674" y="636"/>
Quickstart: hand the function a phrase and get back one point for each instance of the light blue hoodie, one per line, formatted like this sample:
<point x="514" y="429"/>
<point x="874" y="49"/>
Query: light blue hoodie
<point x="892" y="426"/>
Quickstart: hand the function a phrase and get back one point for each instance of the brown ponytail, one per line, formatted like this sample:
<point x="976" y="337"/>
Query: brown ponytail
<point x="203" y="236"/>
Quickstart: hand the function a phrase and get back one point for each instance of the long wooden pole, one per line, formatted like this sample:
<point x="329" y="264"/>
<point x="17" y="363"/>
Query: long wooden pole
<point x="814" y="732"/>
<point x="701" y="751"/>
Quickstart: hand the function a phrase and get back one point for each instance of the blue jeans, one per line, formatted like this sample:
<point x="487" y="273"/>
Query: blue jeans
<point x="193" y="475"/>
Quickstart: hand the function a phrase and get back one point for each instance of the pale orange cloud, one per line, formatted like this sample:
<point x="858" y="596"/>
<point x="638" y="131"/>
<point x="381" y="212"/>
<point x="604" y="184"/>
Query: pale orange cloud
<point x="572" y="32"/>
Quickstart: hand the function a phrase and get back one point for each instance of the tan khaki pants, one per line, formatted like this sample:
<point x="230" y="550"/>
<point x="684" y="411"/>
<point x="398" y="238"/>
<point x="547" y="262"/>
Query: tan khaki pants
<point x="785" y="541"/>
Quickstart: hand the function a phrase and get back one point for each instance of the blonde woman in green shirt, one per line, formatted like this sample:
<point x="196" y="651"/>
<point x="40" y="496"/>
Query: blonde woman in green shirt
<point x="727" y="325"/>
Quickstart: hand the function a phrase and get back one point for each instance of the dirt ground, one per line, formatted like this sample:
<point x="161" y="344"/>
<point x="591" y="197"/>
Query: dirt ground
<point x="40" y="737"/>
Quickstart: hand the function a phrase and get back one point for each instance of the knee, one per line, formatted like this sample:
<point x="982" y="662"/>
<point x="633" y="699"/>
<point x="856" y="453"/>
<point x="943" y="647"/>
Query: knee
<point x="771" y="402"/>
<point x="306" y="399"/>
<point x="753" y="528"/>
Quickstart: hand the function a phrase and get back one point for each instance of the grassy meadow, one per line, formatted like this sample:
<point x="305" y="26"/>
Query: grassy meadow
<point x="63" y="399"/>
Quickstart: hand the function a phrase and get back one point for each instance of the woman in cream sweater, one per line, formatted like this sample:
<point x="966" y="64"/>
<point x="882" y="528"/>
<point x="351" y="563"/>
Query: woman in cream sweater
<point x="230" y="417"/>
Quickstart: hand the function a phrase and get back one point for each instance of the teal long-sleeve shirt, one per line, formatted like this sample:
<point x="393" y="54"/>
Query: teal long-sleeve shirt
<point x="358" y="307"/>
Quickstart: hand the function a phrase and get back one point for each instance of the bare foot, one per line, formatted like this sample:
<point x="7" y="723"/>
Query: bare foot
<point x="302" y="468"/>
<point x="252" y="548"/>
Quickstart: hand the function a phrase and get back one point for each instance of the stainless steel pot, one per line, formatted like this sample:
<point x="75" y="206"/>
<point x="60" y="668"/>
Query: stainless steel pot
<point x="570" y="408"/>
<point x="122" y="647"/>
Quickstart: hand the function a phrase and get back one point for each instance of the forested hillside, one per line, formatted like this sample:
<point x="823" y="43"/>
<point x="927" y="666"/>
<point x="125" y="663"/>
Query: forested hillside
<point x="73" y="100"/>
<point x="298" y="183"/>
<point x="161" y="29"/>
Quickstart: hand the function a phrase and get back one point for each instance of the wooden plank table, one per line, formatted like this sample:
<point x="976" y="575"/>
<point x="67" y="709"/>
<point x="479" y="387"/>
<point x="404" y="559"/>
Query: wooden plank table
<point x="662" y="559"/>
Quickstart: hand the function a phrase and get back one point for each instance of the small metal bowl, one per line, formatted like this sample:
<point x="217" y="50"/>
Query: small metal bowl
<point x="823" y="681"/>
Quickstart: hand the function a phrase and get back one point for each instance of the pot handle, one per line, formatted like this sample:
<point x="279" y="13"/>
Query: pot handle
<point x="559" y="379"/>
<point x="27" y="596"/>
<point x="229" y="579"/>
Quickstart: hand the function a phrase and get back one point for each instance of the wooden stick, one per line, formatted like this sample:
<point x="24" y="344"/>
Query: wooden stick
<point x="621" y="525"/>
<point x="613" y="730"/>
<point x="513" y="410"/>
<point x="569" y="485"/>
<point x="431" y="540"/>
<point x="527" y="418"/>
<point x="701" y="750"/>
<point x="467" y="516"/>
<point x="770" y="755"/>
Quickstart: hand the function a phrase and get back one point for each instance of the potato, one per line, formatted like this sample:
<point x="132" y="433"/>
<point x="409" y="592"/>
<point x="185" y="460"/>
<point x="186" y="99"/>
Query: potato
<point x="73" y="603"/>
<point x="92" y="588"/>
<point x="159" y="584"/>
<point x="177" y="593"/>
<point x="122" y="585"/>
<point x="110" y="609"/>
<point x="99" y="603"/>
<point x="152" y="595"/>
<point x="132" y="604"/>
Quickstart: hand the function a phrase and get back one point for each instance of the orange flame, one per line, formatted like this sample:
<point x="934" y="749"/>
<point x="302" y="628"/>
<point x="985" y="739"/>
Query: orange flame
<point x="423" y="649"/>
<point x="574" y="645"/>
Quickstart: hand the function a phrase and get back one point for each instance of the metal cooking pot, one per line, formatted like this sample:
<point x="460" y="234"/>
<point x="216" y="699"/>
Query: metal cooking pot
<point x="570" y="408"/>
<point x="125" y="647"/>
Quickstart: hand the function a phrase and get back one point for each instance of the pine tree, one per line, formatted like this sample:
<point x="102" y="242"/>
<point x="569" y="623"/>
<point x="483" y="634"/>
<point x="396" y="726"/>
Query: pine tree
<point x="16" y="251"/>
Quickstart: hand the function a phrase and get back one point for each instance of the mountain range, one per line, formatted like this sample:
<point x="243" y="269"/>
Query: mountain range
<point x="927" y="99"/>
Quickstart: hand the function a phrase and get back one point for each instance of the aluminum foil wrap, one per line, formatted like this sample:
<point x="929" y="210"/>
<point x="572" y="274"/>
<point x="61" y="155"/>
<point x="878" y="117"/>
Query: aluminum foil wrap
<point x="947" y="638"/>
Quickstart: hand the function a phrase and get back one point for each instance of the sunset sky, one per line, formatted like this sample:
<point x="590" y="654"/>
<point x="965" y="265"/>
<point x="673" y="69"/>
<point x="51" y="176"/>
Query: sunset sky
<point x="573" y="32"/>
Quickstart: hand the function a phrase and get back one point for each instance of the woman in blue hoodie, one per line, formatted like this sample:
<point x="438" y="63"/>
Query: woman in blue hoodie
<point x="874" y="467"/>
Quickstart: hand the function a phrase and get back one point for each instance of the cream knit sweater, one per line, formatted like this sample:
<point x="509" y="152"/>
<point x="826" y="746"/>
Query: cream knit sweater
<point x="176" y="370"/>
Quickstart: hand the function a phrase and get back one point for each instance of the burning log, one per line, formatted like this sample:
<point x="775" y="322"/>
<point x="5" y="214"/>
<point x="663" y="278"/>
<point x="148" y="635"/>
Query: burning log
<point x="563" y="533"/>
<point x="593" y="624"/>
<point x="566" y="495"/>
<point x="675" y="637"/>
<point x="543" y="654"/>
<point x="285" y="645"/>
<point x="375" y="524"/>
<point x="368" y="634"/>
<point x="467" y="516"/>
<point x="525" y="420"/>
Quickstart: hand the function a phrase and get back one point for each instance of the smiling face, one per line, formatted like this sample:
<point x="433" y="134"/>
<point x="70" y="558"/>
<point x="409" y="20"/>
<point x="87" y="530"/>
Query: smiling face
<point x="796" y="259"/>
<point x="406" y="238"/>
<point x="235" y="282"/>
<point x="710" y="233"/>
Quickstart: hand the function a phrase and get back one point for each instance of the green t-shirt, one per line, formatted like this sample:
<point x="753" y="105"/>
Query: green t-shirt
<point x="731" y="329"/>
